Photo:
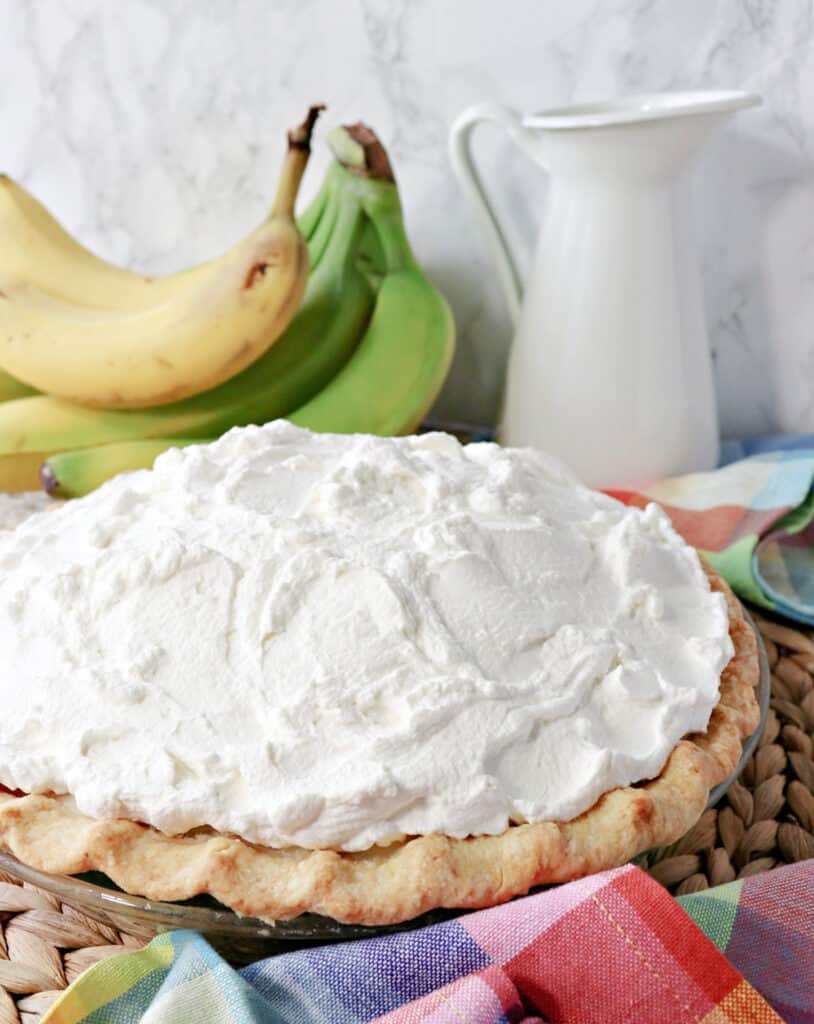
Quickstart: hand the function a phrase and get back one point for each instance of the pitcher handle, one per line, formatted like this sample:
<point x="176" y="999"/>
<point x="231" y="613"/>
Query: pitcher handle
<point x="465" y="170"/>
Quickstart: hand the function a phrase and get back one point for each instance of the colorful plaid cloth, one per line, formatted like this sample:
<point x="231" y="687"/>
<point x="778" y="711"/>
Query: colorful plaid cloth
<point x="608" y="949"/>
<point x="753" y="519"/>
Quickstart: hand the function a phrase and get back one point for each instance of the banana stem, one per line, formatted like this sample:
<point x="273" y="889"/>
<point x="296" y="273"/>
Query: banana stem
<point x="358" y="148"/>
<point x="359" y="151"/>
<point x="48" y="478"/>
<point x="296" y="160"/>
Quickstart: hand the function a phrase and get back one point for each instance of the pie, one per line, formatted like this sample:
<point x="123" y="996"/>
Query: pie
<point x="377" y="634"/>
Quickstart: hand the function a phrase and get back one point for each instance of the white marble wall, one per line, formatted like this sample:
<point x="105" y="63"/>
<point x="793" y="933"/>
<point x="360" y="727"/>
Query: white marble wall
<point x="153" y="129"/>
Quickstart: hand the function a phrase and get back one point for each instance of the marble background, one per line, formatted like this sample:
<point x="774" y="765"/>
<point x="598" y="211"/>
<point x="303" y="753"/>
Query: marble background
<point x="152" y="128"/>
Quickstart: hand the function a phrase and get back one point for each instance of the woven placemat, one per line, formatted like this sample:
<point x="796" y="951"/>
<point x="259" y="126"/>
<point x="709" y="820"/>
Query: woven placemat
<point x="44" y="946"/>
<point x="766" y="820"/>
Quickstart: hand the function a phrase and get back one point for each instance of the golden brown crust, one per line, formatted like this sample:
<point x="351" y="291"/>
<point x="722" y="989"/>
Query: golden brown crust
<point x="396" y="883"/>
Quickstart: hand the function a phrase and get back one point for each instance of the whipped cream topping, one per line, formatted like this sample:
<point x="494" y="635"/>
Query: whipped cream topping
<point x="16" y="508"/>
<point x="336" y="641"/>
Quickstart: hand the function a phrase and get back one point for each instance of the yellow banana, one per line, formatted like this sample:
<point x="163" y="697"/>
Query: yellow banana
<point x="322" y="336"/>
<point x="54" y="255"/>
<point x="382" y="384"/>
<point x="35" y="248"/>
<point x="202" y="335"/>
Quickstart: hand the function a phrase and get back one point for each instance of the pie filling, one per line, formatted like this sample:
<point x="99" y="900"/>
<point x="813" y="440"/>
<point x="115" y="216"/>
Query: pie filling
<point x="332" y="642"/>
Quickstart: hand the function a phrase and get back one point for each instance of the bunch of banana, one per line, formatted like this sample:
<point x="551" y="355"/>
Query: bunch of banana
<point x="367" y="350"/>
<point x="119" y="340"/>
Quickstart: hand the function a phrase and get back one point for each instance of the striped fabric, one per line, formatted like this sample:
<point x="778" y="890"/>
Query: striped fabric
<point x="611" y="948"/>
<point x="753" y="520"/>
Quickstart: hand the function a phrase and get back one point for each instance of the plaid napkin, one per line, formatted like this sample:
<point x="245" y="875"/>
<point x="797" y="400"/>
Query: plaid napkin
<point x="611" y="948"/>
<point x="753" y="519"/>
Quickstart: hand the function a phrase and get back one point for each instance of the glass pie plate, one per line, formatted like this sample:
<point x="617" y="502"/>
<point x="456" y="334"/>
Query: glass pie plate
<point x="242" y="939"/>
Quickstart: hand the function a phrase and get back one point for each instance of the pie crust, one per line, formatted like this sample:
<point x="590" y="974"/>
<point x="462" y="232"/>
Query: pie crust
<point x="385" y="885"/>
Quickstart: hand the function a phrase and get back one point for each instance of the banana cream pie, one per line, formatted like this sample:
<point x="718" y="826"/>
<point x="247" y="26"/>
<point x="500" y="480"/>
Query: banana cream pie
<point x="358" y="676"/>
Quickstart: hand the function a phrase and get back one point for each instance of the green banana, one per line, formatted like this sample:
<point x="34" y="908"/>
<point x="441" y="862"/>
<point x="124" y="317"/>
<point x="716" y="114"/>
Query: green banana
<point x="317" y="220"/>
<point x="332" y="317"/>
<point x="72" y="474"/>
<point x="395" y="374"/>
<point x="320" y="238"/>
<point x="309" y="218"/>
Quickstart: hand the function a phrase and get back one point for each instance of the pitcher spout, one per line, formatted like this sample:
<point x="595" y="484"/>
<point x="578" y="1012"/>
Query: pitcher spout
<point x="636" y="137"/>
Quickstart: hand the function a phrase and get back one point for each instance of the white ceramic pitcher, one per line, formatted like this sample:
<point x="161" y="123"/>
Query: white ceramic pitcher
<point x="610" y="367"/>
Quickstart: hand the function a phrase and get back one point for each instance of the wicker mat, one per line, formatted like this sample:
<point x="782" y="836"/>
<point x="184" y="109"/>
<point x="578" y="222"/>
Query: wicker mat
<point x="766" y="820"/>
<point x="767" y="817"/>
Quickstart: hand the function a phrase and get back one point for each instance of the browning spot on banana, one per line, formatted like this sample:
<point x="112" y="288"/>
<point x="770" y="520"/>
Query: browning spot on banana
<point x="256" y="271"/>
